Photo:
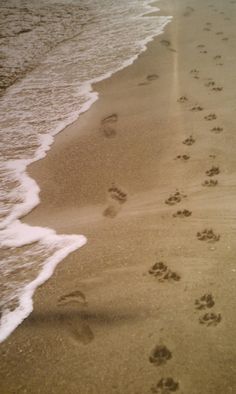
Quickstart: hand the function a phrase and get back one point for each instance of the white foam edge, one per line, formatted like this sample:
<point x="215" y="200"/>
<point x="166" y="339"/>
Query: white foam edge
<point x="11" y="319"/>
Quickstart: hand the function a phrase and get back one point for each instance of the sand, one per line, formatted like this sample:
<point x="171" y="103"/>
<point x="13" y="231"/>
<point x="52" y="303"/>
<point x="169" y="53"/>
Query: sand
<point x="147" y="175"/>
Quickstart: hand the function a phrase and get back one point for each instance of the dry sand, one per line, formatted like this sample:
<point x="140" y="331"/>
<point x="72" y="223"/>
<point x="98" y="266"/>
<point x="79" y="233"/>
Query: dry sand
<point x="108" y="321"/>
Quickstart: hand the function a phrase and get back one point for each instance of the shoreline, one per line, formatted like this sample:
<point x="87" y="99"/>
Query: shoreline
<point x="109" y="176"/>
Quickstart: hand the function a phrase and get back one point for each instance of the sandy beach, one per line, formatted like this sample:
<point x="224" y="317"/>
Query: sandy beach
<point x="148" y="176"/>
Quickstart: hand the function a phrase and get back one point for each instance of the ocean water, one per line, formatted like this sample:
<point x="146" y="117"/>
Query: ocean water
<point x="50" y="54"/>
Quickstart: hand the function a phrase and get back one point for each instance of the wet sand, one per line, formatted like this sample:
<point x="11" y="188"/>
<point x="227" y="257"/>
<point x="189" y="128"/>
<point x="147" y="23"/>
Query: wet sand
<point x="148" y="176"/>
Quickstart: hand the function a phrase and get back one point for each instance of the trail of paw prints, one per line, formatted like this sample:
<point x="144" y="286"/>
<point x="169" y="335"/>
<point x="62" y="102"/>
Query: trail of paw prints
<point x="162" y="273"/>
<point x="108" y="126"/>
<point x="175" y="198"/>
<point x="165" y="386"/>
<point x="185" y="213"/>
<point x="159" y="356"/>
<point x="116" y="198"/>
<point x="209" y="319"/>
<point x="208" y="235"/>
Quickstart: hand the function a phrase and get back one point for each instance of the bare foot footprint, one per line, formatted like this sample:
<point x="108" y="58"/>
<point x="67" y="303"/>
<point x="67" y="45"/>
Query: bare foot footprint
<point x="175" y="198"/>
<point x="204" y="302"/>
<point x="166" y="43"/>
<point x="182" y="214"/>
<point x="210" y="183"/>
<point x="189" y="141"/>
<point x="210" y="319"/>
<point x="74" y="297"/>
<point x="208" y="235"/>
<point x="217" y="130"/>
<point x="80" y="331"/>
<point x="165" y="386"/>
<point x="182" y="99"/>
<point x="183" y="157"/>
<point x="213" y="171"/>
<point x="108" y="126"/>
<point x="211" y="116"/>
<point x="160" y="271"/>
<point x="117" y="198"/>
<point x="152" y="77"/>
<point x="160" y="355"/>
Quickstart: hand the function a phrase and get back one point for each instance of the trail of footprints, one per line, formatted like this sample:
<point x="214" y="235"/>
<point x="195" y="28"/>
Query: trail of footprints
<point x="204" y="305"/>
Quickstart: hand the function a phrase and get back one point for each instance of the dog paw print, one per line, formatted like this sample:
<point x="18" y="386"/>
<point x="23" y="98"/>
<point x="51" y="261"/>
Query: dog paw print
<point x="214" y="170"/>
<point x="160" y="271"/>
<point x="182" y="99"/>
<point x="210" y="117"/>
<point x="210" y="319"/>
<point x="204" y="302"/>
<point x="210" y="183"/>
<point x="208" y="235"/>
<point x="189" y="141"/>
<point x="185" y="213"/>
<point x="175" y="198"/>
<point x="165" y="386"/>
<point x="160" y="355"/>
